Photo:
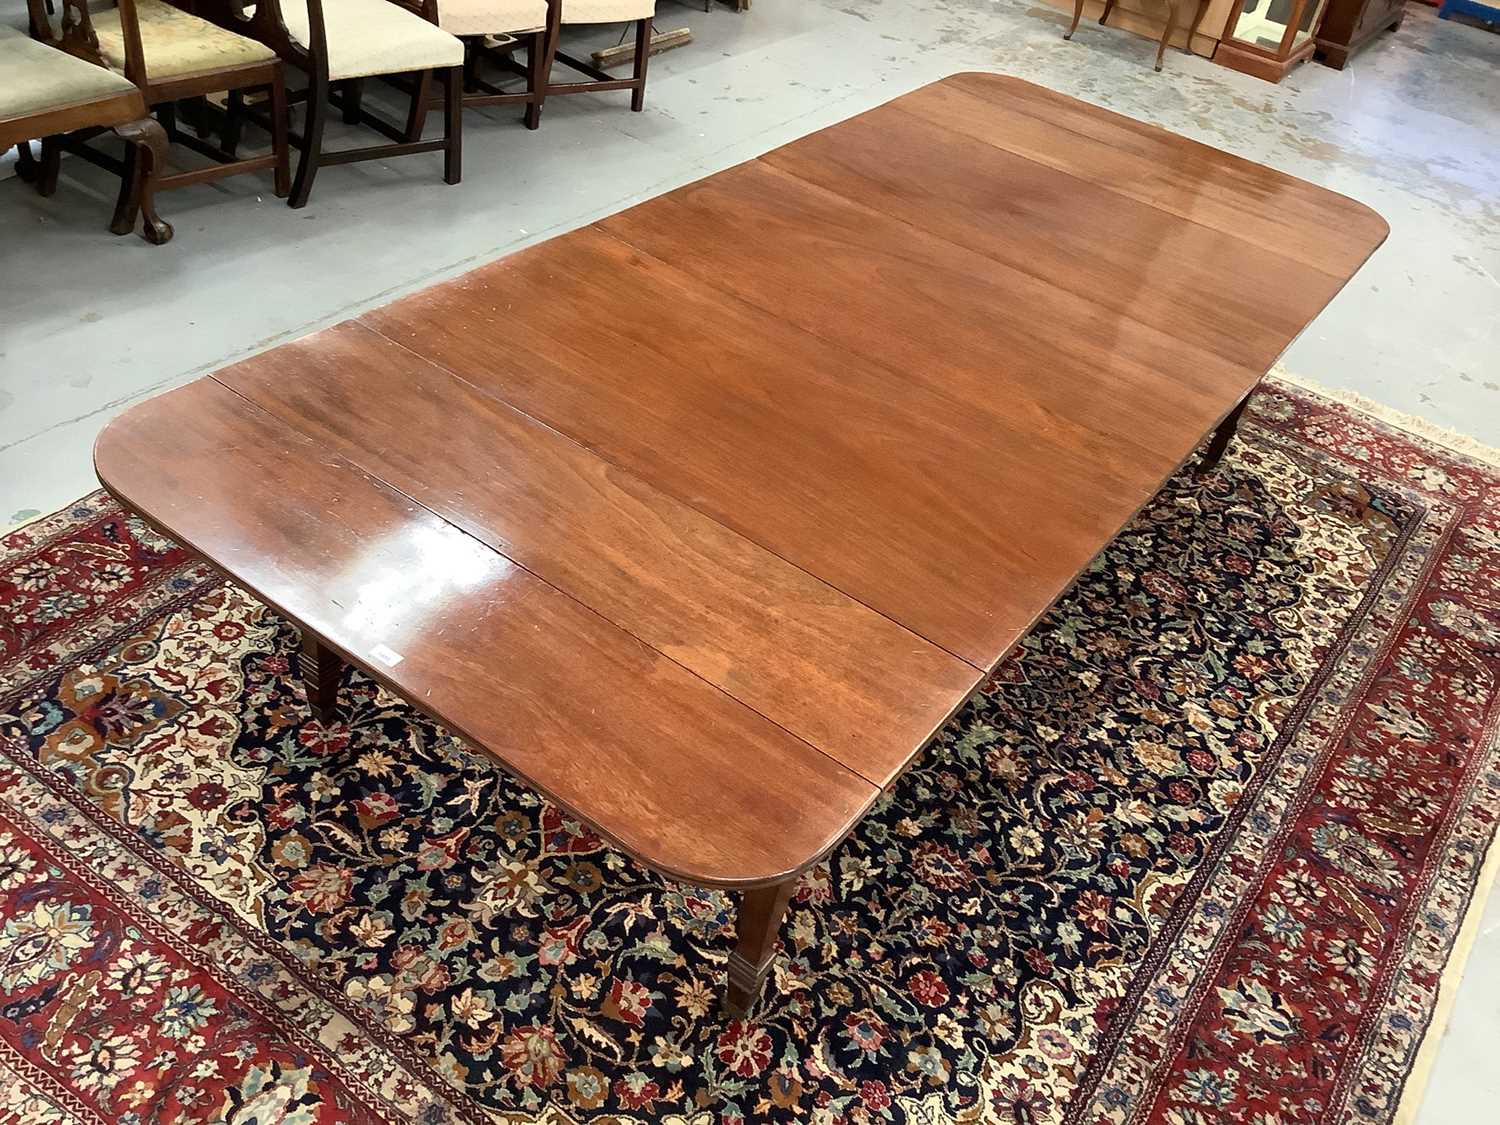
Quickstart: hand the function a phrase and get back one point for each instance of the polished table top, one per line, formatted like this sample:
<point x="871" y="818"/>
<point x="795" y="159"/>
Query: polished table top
<point x="703" y="518"/>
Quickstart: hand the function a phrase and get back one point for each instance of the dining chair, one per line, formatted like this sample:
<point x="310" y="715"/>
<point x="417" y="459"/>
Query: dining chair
<point x="47" y="93"/>
<point x="492" y="31"/>
<point x="172" y="55"/>
<point x="1201" y="9"/>
<point x="338" y="43"/>
<point x="568" y="13"/>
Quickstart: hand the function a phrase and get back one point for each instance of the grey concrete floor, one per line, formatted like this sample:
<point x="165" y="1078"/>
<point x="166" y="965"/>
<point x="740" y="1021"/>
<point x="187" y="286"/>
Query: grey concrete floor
<point x="91" y="323"/>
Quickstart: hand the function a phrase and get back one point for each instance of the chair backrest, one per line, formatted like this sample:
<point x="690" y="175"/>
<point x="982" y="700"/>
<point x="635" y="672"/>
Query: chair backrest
<point x="71" y="26"/>
<point x="76" y="33"/>
<point x="264" y="21"/>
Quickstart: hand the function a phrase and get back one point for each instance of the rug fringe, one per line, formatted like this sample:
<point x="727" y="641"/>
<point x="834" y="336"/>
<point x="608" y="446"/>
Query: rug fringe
<point x="1451" y="440"/>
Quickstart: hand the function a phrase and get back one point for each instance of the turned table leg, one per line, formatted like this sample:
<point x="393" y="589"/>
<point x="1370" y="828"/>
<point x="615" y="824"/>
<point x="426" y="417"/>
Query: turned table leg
<point x="1221" y="439"/>
<point x="761" y="912"/>
<point x="321" y="669"/>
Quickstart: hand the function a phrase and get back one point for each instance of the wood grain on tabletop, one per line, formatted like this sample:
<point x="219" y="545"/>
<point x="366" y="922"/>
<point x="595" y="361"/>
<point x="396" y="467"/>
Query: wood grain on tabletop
<point x="678" y="773"/>
<point x="703" y="517"/>
<point x="830" y="670"/>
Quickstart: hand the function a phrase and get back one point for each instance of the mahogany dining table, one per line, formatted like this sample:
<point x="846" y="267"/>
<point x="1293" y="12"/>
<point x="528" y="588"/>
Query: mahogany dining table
<point x="704" y="518"/>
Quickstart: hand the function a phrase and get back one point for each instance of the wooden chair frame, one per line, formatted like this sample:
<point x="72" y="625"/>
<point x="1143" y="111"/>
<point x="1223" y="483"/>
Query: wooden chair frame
<point x="599" y="81"/>
<point x="162" y="94"/>
<point x="125" y="114"/>
<point x="266" y="24"/>
<point x="477" y="92"/>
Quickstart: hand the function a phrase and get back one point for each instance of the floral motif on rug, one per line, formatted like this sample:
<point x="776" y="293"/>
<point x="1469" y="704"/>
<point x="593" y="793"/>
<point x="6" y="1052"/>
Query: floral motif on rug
<point x="1199" y="851"/>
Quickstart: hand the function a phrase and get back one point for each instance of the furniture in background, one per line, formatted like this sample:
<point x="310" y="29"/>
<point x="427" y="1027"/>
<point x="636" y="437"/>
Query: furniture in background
<point x="47" y="93"/>
<point x="563" y="13"/>
<point x="1486" y="13"/>
<point x="492" y="30"/>
<point x="1144" y="18"/>
<point x="1348" y="25"/>
<point x="775" y="467"/>
<point x="172" y="55"/>
<point x="178" y="56"/>
<point x="1200" y="8"/>
<point x="1267" y="38"/>
<point x="338" y="44"/>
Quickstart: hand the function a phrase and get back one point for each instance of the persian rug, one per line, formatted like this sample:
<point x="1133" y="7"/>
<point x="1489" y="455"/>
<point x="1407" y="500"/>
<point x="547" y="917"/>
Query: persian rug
<point x="1201" y="851"/>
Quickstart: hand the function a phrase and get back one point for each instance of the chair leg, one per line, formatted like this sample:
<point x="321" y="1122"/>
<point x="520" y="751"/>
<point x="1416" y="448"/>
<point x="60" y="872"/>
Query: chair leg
<point x="471" y="65"/>
<point x="353" y="95"/>
<point x="234" y="122"/>
<point x="51" y="162"/>
<point x="548" y="50"/>
<point x="166" y="113"/>
<point x="453" y="124"/>
<point x="1161" y="48"/>
<point x="146" y="160"/>
<point x="1109" y="6"/>
<point x="197" y="114"/>
<point x="27" y="168"/>
<point x="1197" y="22"/>
<point x="153" y="163"/>
<point x="1077" y="15"/>
<point x="282" y="173"/>
<point x="642" y="57"/>
<point x="312" y="140"/>
<point x="128" y="201"/>
<point x="536" y="79"/>
<point x="416" y="117"/>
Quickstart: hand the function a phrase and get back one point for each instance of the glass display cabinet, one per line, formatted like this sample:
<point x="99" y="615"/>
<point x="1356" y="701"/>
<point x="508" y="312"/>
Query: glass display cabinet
<point x="1267" y="38"/>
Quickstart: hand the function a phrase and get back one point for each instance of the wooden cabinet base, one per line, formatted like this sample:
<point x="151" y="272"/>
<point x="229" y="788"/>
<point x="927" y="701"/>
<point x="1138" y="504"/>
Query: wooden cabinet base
<point x="1348" y="25"/>
<point x="1257" y="63"/>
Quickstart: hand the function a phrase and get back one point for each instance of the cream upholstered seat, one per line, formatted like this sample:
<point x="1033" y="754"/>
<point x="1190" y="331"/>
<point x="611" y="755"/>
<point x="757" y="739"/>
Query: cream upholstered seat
<point x="491" y="17"/>
<point x="35" y="77"/>
<point x="607" y="11"/>
<point x="371" y="37"/>
<point x="175" y="42"/>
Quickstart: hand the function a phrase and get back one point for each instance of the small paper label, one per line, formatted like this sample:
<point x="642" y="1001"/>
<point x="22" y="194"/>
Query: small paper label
<point x="386" y="655"/>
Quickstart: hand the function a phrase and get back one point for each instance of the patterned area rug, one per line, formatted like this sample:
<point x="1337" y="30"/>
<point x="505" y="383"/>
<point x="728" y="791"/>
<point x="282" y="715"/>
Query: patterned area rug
<point x="1200" y="853"/>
